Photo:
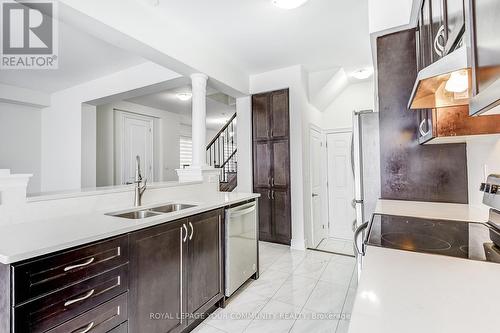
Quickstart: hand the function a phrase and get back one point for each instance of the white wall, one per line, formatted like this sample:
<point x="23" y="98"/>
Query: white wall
<point x="167" y="141"/>
<point x="483" y="158"/>
<point x="244" y="144"/>
<point x="62" y="121"/>
<point x="105" y="152"/>
<point x="388" y="14"/>
<point x="356" y="96"/>
<point x="151" y="36"/>
<point x="20" y="147"/>
<point x="89" y="145"/>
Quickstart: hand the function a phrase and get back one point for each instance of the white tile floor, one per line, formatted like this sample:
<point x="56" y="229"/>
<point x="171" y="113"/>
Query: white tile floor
<point x="298" y="291"/>
<point x="336" y="245"/>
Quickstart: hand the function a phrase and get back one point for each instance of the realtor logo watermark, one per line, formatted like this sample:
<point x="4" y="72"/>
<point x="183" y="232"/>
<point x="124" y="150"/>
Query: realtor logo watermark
<point x="29" y="34"/>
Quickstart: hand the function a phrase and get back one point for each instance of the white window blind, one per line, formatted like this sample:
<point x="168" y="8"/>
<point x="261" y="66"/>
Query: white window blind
<point x="186" y="151"/>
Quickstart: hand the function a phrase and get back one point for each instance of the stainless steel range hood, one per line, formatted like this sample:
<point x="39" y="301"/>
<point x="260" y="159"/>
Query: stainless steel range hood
<point x="445" y="83"/>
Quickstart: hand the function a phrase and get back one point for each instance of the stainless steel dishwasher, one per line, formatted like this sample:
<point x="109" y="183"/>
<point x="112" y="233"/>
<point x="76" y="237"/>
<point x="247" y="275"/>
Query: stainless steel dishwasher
<point x="241" y="245"/>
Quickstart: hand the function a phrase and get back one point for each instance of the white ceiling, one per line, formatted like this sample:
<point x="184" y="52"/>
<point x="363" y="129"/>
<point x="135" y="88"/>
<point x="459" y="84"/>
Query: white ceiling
<point x="319" y="35"/>
<point x="217" y="113"/>
<point x="82" y="58"/>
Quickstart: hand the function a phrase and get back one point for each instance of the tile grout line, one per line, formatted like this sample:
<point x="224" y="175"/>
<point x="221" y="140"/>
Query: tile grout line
<point x="345" y="299"/>
<point x="268" y="298"/>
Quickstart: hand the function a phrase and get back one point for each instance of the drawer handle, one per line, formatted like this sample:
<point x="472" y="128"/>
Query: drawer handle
<point x="88" y="262"/>
<point x="86" y="329"/>
<point x="76" y="300"/>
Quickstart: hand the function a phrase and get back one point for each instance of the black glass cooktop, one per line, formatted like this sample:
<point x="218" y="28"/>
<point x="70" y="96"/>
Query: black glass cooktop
<point x="468" y="240"/>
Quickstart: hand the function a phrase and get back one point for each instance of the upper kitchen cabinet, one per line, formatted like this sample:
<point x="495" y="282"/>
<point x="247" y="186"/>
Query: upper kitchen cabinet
<point x="458" y="56"/>
<point x="261" y="115"/>
<point x="440" y="26"/>
<point x="455" y="23"/>
<point x="453" y="125"/>
<point x="486" y="57"/>
<point x="270" y="115"/>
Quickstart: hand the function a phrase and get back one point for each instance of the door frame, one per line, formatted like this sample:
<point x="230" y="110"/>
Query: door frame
<point x="324" y="181"/>
<point x="336" y="131"/>
<point x="119" y="148"/>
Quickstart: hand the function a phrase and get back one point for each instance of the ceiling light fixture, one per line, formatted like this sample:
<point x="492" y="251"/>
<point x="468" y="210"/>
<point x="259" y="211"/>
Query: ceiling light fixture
<point x="184" y="96"/>
<point x="288" y="4"/>
<point x="458" y="82"/>
<point x="363" y="73"/>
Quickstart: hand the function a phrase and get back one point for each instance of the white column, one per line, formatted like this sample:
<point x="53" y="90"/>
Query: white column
<point x="199" y="170"/>
<point x="199" y="115"/>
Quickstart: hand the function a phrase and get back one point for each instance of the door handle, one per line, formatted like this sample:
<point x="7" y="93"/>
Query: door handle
<point x="315" y="195"/>
<point x="186" y="235"/>
<point x="421" y="127"/>
<point x="272" y="194"/>
<point x="83" y="298"/>
<point x="438" y="48"/>
<point x="192" y="231"/>
<point x="358" y="231"/>
<point x="269" y="194"/>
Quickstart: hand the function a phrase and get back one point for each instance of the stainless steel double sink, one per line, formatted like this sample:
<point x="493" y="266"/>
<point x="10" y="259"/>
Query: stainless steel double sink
<point x="150" y="212"/>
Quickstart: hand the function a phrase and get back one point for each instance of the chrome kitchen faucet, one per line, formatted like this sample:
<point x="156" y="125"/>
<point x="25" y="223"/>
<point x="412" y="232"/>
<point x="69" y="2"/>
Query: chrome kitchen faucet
<point x="139" y="190"/>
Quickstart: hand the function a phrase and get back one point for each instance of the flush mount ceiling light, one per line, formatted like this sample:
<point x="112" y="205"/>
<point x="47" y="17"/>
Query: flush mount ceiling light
<point x="184" y="96"/>
<point x="363" y="73"/>
<point x="288" y="4"/>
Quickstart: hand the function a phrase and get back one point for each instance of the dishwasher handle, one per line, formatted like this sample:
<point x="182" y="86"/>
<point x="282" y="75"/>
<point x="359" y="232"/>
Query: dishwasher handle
<point x="242" y="210"/>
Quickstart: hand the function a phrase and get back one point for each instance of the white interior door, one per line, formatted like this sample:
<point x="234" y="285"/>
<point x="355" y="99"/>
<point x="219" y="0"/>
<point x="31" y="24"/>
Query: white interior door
<point x="340" y="185"/>
<point x="137" y="141"/>
<point x="318" y="189"/>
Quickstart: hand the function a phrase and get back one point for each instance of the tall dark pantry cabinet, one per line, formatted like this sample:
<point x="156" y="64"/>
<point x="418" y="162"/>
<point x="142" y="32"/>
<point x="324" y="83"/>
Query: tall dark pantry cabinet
<point x="271" y="164"/>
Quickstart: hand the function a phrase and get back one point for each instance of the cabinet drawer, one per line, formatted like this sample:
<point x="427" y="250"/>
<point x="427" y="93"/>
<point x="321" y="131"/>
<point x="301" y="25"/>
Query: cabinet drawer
<point x="52" y="310"/>
<point x="102" y="319"/>
<point x="123" y="328"/>
<point x="47" y="274"/>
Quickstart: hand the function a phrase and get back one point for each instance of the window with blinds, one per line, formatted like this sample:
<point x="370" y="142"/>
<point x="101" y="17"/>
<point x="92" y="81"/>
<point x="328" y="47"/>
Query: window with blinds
<point x="186" y="151"/>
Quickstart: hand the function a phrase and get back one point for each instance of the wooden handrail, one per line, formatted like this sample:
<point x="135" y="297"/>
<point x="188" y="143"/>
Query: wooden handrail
<point x="228" y="159"/>
<point x="222" y="130"/>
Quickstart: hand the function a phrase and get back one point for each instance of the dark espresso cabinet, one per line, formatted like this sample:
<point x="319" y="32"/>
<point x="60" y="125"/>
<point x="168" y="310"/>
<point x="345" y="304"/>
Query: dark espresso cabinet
<point x="161" y="279"/>
<point x="157" y="265"/>
<point x="204" y="267"/>
<point x="183" y="260"/>
<point x="84" y="289"/>
<point x="271" y="164"/>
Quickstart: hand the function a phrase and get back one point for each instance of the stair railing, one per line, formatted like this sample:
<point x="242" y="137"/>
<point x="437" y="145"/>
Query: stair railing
<point x="221" y="151"/>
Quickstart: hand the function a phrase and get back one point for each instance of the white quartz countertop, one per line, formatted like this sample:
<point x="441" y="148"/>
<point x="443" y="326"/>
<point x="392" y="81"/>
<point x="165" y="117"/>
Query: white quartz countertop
<point x="414" y="293"/>
<point x="28" y="240"/>
<point x="409" y="292"/>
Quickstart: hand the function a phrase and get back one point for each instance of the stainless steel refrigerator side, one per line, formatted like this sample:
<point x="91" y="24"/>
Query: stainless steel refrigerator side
<point x="366" y="158"/>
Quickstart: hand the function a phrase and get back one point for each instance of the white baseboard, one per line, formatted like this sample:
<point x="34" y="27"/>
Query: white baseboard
<point x="298" y="244"/>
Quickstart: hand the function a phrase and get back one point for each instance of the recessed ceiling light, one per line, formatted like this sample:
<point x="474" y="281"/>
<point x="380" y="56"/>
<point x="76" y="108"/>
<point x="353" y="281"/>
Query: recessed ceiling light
<point x="184" y="96"/>
<point x="288" y="4"/>
<point x="363" y="73"/>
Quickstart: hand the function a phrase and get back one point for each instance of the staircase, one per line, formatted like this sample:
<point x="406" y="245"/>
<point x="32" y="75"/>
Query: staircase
<point x="222" y="153"/>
